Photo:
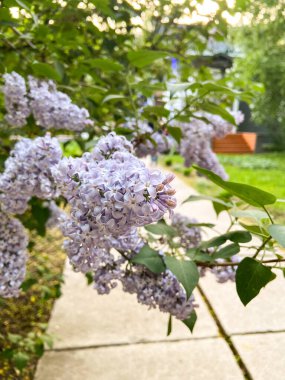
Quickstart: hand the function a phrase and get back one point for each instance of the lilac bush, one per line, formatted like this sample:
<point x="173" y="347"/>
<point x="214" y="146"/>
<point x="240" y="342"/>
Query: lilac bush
<point x="119" y="223"/>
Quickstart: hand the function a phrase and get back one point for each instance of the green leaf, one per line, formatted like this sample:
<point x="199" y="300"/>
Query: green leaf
<point x="213" y="87"/>
<point x="39" y="349"/>
<point x="255" y="230"/>
<point x="239" y="236"/>
<point x="113" y="97"/>
<point x="227" y="252"/>
<point x="149" y="258"/>
<point x="6" y="353"/>
<point x="158" y="111"/>
<point x="209" y="225"/>
<point x="175" y="132"/>
<point x="103" y="6"/>
<point x="247" y="193"/>
<point x="14" y="338"/>
<point x="89" y="277"/>
<point x="277" y="231"/>
<point x="48" y="340"/>
<point x="161" y="228"/>
<point x="20" y="360"/>
<point x="234" y="236"/>
<point x="218" y="110"/>
<point x="194" y="198"/>
<point x="73" y="149"/>
<point x="251" y="277"/>
<point x="36" y="217"/>
<point x="45" y="70"/>
<point x="5" y="15"/>
<point x="190" y="322"/>
<point x="23" y="4"/>
<point x="179" y="87"/>
<point x="28" y="283"/>
<point x="186" y="273"/>
<point x="169" y="325"/>
<point x="250" y="214"/>
<point x="105" y="64"/>
<point x="123" y="131"/>
<point x="142" y="58"/>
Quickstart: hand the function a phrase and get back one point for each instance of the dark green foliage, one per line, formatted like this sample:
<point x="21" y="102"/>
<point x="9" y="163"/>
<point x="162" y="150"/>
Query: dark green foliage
<point x="251" y="277"/>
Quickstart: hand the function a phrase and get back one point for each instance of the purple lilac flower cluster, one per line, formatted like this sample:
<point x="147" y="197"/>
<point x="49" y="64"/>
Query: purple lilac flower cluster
<point x="162" y="291"/>
<point x="226" y="273"/>
<point x="112" y="195"/>
<point x="147" y="142"/>
<point x="28" y="173"/>
<point x="13" y="256"/>
<point x="107" y="146"/>
<point x="189" y="235"/>
<point x="54" y="109"/>
<point x="50" y="108"/>
<point x="195" y="146"/>
<point x="16" y="101"/>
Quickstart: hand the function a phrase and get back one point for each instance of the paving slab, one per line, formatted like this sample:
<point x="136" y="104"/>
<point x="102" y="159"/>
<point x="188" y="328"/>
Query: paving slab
<point x="83" y="318"/>
<point x="263" y="354"/>
<point x="206" y="359"/>
<point x="264" y="313"/>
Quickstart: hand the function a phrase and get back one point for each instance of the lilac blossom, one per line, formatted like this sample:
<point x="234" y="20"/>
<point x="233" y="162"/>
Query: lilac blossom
<point x="162" y="291"/>
<point x="13" y="256"/>
<point x="28" y="173"/>
<point x="226" y="273"/>
<point x="146" y="141"/>
<point x="197" y="138"/>
<point x="54" y="109"/>
<point x="189" y="236"/>
<point x="113" y="195"/>
<point x="16" y="101"/>
<point x="110" y="144"/>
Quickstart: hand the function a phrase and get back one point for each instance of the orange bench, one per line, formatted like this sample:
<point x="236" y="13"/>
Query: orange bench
<point x="240" y="142"/>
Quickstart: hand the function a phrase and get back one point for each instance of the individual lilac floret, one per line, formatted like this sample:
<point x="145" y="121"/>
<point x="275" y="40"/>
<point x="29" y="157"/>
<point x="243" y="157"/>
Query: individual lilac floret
<point x="54" y="109"/>
<point x="110" y="144"/>
<point x="16" y="101"/>
<point x="13" y="256"/>
<point x="226" y="273"/>
<point x="162" y="291"/>
<point x="28" y="173"/>
<point x="189" y="236"/>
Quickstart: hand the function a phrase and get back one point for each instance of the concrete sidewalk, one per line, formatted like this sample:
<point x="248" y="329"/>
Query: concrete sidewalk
<point x="114" y="338"/>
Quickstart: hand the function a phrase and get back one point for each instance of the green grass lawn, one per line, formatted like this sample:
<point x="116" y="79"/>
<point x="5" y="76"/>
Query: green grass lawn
<point x="263" y="170"/>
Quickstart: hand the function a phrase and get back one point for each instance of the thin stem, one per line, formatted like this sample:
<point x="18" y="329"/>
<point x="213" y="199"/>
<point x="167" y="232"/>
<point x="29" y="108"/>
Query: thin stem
<point x="231" y="264"/>
<point x="124" y="255"/>
<point x="261" y="247"/>
<point x="132" y="102"/>
<point x="269" y="216"/>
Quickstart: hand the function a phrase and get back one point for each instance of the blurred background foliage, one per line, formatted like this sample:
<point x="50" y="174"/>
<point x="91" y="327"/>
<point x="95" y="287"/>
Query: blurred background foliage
<point x="101" y="52"/>
<point x="261" y="46"/>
